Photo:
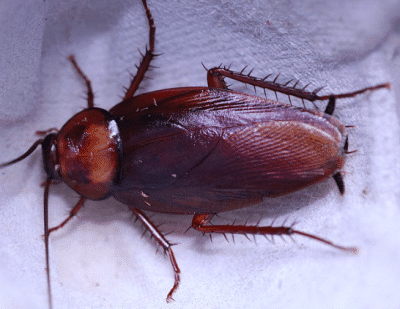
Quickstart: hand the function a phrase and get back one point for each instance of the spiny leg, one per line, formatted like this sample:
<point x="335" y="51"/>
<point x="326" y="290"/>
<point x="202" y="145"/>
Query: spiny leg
<point x="215" y="78"/>
<point x="149" y="225"/>
<point x="48" y="131"/>
<point x="47" y="231"/>
<point x="90" y="96"/>
<point x="200" y="223"/>
<point x="148" y="56"/>
<point x="72" y="214"/>
<point x="164" y="244"/>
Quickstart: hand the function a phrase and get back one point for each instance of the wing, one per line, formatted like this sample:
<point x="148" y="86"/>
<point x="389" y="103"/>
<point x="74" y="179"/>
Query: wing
<point x="209" y="157"/>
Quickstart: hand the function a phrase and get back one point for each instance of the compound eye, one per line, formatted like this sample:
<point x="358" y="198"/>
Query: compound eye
<point x="50" y="157"/>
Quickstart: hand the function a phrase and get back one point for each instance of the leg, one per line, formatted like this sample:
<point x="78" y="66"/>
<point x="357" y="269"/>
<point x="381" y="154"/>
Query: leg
<point x="90" y="96"/>
<point x="200" y="223"/>
<point x="147" y="57"/>
<point x="215" y="78"/>
<point x="48" y="131"/>
<point x="47" y="231"/>
<point x="164" y="244"/>
<point x="149" y="225"/>
<point x="72" y="214"/>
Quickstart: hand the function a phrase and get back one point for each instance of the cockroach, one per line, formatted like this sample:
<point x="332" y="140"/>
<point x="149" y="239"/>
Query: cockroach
<point x="194" y="150"/>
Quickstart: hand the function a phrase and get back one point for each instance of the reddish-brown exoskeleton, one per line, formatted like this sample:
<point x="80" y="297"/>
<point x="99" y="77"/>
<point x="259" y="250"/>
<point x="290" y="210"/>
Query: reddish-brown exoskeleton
<point x="195" y="150"/>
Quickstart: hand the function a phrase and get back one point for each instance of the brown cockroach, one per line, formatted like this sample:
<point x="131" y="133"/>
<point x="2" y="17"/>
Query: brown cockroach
<point x="195" y="150"/>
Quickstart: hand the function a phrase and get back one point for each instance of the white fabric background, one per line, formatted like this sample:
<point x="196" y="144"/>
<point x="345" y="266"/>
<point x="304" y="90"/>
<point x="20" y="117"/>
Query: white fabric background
<point x="99" y="260"/>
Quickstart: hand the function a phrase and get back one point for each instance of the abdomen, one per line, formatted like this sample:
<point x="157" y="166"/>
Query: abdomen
<point x="207" y="158"/>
